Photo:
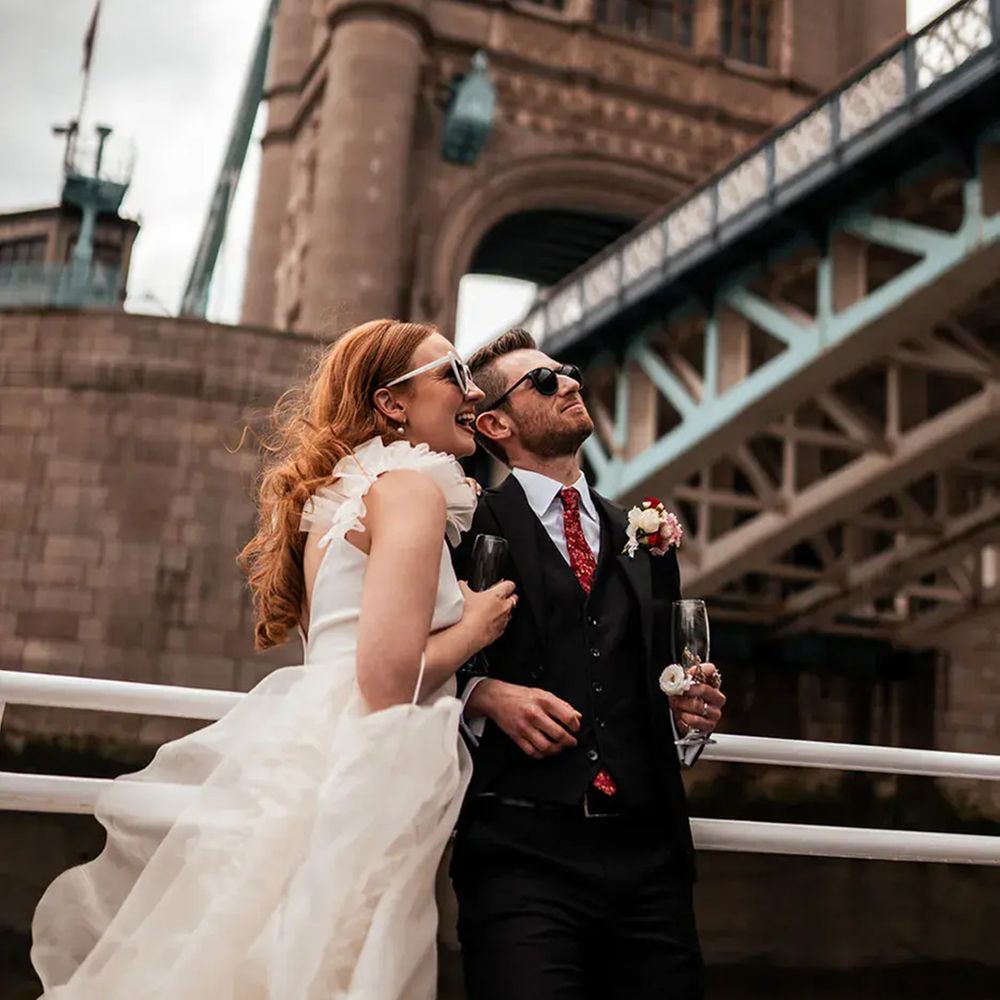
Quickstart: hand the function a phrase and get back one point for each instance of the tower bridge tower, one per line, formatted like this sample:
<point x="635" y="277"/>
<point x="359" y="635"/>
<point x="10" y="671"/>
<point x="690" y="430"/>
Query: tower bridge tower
<point x="605" y="110"/>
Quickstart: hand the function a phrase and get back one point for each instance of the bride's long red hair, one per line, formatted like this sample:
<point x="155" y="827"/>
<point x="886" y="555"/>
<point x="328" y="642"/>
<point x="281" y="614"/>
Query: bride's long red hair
<point x="313" y="428"/>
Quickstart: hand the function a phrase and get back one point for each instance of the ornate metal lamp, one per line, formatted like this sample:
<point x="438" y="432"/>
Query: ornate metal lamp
<point x="469" y="116"/>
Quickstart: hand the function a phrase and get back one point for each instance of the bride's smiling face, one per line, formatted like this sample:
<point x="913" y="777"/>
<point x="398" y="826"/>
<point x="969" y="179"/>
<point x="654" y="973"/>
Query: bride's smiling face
<point x="432" y="405"/>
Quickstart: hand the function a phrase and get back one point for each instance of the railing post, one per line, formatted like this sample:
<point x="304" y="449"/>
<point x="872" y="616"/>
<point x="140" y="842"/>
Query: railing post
<point x="714" y="230"/>
<point x="834" y="104"/>
<point x="910" y="69"/>
<point x="769" y="159"/>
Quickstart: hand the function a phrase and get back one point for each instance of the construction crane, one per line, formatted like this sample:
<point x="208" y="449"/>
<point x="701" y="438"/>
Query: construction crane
<point x="195" y="300"/>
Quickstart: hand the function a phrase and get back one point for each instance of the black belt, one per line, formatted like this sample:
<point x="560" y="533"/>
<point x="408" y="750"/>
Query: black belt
<point x="586" y="807"/>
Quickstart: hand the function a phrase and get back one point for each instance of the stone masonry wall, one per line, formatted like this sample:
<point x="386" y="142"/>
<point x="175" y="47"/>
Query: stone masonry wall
<point x="122" y="505"/>
<point x="968" y="705"/>
<point x="122" y="508"/>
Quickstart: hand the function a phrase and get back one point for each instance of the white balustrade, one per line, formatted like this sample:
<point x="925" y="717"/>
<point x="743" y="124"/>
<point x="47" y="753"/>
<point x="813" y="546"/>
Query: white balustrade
<point x="61" y="794"/>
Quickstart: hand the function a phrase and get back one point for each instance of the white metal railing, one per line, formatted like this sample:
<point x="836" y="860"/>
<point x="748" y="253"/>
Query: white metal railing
<point x="853" y="757"/>
<point x="59" y="794"/>
<point x="57" y="691"/>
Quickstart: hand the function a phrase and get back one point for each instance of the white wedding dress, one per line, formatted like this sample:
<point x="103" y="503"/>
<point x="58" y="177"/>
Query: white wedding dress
<point x="287" y="851"/>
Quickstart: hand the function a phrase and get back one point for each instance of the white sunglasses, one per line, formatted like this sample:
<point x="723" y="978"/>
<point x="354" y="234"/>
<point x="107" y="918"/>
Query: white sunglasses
<point x="463" y="376"/>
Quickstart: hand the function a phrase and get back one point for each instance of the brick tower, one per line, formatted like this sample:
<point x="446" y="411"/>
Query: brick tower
<point x="605" y="109"/>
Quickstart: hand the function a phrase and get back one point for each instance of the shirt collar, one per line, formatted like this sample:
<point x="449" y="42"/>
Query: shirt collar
<point x="541" y="492"/>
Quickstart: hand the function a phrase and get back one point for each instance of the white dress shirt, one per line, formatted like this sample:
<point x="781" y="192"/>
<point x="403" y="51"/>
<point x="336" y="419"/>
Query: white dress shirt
<point x="543" y="498"/>
<point x="542" y="494"/>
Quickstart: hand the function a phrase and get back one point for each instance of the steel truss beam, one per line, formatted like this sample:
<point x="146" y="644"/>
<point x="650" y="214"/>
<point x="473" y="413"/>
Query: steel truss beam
<point x="799" y="364"/>
<point x="817" y="350"/>
<point x="803" y="407"/>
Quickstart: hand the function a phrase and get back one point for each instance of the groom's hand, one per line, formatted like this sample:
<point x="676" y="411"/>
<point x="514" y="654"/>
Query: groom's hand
<point x="537" y="721"/>
<point x="700" y="708"/>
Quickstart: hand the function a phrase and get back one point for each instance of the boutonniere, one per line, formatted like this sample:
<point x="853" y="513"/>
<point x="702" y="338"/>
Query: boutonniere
<point x="653" y="527"/>
<point x="676" y="680"/>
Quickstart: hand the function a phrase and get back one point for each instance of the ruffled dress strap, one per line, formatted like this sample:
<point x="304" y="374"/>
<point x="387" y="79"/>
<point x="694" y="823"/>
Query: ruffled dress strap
<point x="340" y="507"/>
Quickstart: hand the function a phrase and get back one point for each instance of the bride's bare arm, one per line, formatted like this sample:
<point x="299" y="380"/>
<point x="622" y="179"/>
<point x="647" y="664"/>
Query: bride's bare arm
<point x="405" y="530"/>
<point x="485" y="617"/>
<point x="405" y="518"/>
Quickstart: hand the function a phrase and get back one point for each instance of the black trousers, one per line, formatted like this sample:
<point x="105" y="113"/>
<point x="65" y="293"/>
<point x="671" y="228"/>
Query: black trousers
<point x="555" y="906"/>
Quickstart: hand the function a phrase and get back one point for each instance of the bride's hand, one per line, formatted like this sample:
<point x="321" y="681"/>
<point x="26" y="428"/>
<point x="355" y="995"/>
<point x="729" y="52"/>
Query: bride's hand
<point x="487" y="612"/>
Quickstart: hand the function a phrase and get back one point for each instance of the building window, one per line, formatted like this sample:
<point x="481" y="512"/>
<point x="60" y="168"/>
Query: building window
<point x="23" y="251"/>
<point x="667" y="20"/>
<point x="746" y="30"/>
<point x="106" y="254"/>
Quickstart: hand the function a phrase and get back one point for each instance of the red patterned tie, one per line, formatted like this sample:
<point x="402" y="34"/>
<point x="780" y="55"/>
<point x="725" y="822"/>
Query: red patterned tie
<point x="581" y="555"/>
<point x="584" y="565"/>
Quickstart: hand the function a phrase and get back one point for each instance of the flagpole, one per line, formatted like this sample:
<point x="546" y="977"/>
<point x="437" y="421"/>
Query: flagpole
<point x="88" y="54"/>
<point x="83" y="96"/>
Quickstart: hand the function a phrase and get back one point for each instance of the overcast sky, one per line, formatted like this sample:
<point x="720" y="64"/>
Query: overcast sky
<point x="167" y="76"/>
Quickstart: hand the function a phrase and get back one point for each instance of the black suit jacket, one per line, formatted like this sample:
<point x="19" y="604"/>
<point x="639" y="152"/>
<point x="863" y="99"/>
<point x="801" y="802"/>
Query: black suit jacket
<point x="520" y="655"/>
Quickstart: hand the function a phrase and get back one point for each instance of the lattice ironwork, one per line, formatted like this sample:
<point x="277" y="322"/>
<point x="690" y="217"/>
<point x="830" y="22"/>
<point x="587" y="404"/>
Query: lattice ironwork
<point x="803" y="144"/>
<point x="874" y="96"/>
<point x="602" y="282"/>
<point x="642" y="254"/>
<point x="691" y="222"/>
<point x="743" y="186"/>
<point x="952" y="41"/>
<point x="565" y="308"/>
<point x="829" y="434"/>
<point x="832" y="128"/>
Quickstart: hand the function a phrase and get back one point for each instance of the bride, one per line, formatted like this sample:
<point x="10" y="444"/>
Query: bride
<point x="288" y="851"/>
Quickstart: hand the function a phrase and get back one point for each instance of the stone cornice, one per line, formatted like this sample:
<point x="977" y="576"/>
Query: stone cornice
<point x="597" y="85"/>
<point x="543" y="43"/>
<point x="297" y="86"/>
<point x="411" y="12"/>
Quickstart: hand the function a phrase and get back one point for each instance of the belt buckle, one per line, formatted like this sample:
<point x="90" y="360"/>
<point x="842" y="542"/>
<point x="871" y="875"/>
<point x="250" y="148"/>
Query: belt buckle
<point x="589" y="814"/>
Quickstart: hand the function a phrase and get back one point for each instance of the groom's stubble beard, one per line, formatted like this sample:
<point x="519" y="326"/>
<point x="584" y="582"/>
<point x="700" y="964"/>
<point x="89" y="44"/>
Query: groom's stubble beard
<point x="554" y="435"/>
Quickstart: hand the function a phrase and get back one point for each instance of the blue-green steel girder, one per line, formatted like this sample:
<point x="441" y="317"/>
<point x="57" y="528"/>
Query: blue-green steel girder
<point x="814" y="354"/>
<point x="664" y="380"/>
<point x="875" y="122"/>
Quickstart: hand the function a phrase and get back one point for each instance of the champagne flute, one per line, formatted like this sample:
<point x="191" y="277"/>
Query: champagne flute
<point x="690" y="636"/>
<point x="489" y="556"/>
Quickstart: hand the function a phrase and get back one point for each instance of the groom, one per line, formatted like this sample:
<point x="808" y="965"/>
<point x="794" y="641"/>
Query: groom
<point x="573" y="861"/>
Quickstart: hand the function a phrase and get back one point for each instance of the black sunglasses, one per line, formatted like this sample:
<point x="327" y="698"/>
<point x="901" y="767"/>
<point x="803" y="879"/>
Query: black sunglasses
<point x="545" y="380"/>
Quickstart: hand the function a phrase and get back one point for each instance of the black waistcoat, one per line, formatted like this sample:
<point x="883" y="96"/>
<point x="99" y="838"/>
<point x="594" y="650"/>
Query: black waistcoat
<point x="594" y="661"/>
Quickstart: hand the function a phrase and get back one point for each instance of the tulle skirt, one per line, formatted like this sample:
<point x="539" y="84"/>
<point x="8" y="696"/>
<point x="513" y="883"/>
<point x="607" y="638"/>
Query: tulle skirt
<point x="287" y="852"/>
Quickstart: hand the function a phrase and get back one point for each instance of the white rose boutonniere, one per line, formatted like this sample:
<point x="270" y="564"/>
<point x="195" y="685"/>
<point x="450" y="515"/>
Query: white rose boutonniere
<point x="652" y="526"/>
<point x="674" y="680"/>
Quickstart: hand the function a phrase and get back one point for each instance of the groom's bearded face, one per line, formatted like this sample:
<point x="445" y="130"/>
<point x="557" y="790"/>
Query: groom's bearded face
<point x="547" y="426"/>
